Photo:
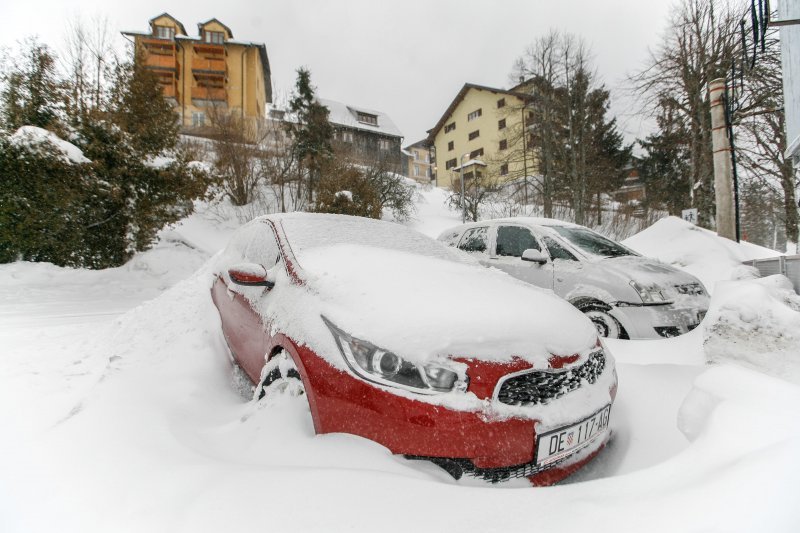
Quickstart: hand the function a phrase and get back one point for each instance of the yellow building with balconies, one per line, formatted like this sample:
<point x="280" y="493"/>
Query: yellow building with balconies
<point x="484" y="125"/>
<point x="206" y="73"/>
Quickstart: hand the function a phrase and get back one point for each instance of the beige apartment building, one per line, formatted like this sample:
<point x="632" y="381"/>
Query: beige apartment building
<point x="482" y="125"/>
<point x="207" y="72"/>
<point x="419" y="163"/>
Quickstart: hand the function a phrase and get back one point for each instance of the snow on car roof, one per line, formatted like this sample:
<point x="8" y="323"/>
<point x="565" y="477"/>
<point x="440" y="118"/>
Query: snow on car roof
<point x="306" y="231"/>
<point x="405" y="292"/>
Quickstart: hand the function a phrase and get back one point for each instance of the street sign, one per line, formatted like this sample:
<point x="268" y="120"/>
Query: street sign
<point x="689" y="215"/>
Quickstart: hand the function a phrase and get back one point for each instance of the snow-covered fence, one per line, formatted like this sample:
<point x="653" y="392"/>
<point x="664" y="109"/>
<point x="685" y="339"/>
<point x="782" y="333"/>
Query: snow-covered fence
<point x="788" y="265"/>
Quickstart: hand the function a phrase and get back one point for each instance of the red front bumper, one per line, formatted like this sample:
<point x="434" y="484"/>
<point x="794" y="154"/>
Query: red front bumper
<point x="341" y="402"/>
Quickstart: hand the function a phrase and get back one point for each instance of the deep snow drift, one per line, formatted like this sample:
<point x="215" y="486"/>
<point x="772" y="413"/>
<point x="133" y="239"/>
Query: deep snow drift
<point x="129" y="421"/>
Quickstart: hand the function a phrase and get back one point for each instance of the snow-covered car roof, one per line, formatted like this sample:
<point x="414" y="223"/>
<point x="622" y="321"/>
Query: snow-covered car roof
<point x="408" y="293"/>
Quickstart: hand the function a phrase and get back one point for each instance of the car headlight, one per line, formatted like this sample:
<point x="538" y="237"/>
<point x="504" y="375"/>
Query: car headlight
<point x="382" y="366"/>
<point x="651" y="294"/>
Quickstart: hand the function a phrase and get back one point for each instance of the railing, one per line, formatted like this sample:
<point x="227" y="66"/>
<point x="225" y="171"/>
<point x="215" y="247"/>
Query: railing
<point x="151" y="43"/>
<point x="788" y="265"/>
<point x="209" y="48"/>
<point x="170" y="91"/>
<point x="206" y="65"/>
<point x="161" y="61"/>
<point x="209" y="93"/>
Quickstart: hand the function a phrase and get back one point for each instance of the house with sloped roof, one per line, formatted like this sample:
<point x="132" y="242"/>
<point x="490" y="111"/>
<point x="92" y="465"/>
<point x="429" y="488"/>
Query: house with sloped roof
<point x="486" y="125"/>
<point x="368" y="136"/>
<point x="207" y="72"/>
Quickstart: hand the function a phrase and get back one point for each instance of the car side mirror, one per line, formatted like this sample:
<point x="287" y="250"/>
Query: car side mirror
<point x="534" y="256"/>
<point x="250" y="275"/>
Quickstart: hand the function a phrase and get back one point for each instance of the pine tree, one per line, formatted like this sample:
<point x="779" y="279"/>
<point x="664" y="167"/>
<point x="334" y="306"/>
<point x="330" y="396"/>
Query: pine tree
<point x="31" y="92"/>
<point x="312" y="132"/>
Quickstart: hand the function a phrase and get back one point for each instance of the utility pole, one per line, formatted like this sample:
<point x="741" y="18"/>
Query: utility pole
<point x="723" y="168"/>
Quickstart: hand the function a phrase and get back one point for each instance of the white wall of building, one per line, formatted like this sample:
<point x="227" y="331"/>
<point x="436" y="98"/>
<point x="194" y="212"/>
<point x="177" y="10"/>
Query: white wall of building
<point x="790" y="51"/>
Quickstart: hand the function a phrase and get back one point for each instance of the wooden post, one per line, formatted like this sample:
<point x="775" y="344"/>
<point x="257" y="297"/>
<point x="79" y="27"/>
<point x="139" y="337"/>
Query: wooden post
<point x="723" y="169"/>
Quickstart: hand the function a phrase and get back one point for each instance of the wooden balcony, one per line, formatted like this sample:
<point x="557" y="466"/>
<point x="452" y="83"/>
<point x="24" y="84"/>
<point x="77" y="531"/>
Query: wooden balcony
<point x="170" y="91"/>
<point x="159" y="61"/>
<point x="205" y="66"/>
<point x="157" y="46"/>
<point x="217" y="94"/>
<point x="210" y="49"/>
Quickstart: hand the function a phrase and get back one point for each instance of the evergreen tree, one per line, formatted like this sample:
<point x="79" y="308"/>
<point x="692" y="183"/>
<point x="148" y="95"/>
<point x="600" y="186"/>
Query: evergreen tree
<point x="666" y="167"/>
<point x="31" y="92"/>
<point x="312" y="132"/>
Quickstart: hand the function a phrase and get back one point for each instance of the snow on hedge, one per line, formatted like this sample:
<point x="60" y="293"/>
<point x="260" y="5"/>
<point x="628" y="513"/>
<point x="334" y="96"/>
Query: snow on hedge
<point x="39" y="140"/>
<point x="756" y="322"/>
<point x="698" y="251"/>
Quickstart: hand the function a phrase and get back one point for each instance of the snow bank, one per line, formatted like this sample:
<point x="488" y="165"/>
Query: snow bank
<point x="756" y="322"/>
<point x="699" y="251"/>
<point x="37" y="139"/>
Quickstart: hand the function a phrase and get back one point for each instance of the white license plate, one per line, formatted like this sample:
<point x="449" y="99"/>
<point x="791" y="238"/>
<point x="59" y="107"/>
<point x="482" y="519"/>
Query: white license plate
<point x="561" y="442"/>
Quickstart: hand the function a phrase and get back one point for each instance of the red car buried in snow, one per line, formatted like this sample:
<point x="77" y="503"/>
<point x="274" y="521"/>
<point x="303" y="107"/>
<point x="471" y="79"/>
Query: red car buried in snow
<point x="399" y="339"/>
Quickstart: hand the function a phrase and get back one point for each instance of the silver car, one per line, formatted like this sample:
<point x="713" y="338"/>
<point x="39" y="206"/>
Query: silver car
<point x="626" y="295"/>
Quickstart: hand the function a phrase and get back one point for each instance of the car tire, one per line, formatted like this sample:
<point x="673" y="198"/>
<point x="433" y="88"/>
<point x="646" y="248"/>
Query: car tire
<point x="279" y="376"/>
<point x="607" y="326"/>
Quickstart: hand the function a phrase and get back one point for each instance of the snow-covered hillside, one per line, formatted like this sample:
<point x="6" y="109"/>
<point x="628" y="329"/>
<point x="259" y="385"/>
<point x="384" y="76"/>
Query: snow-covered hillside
<point x="119" y="412"/>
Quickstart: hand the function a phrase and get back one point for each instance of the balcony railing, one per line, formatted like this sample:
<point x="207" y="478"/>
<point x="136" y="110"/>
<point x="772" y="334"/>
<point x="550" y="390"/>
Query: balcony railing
<point x="209" y="48"/>
<point x="203" y="65"/>
<point x="161" y="61"/>
<point x="209" y="93"/>
<point x="164" y="46"/>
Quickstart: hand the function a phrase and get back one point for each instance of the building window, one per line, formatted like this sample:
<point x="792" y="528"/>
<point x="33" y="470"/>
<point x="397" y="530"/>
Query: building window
<point x="416" y="170"/>
<point x="476" y="153"/>
<point x="450" y="164"/>
<point x="475" y="134"/>
<point x="215" y="37"/>
<point x="501" y="124"/>
<point x="164" y="32"/>
<point x="198" y="119"/>
<point x="450" y="146"/>
<point x="501" y="103"/>
<point x="428" y="172"/>
<point x="475" y="114"/>
<point x="450" y="127"/>
<point x="347" y="136"/>
<point x="503" y="144"/>
<point x="416" y="155"/>
<point x="367" y="118"/>
<point x="384" y="144"/>
<point x="504" y="169"/>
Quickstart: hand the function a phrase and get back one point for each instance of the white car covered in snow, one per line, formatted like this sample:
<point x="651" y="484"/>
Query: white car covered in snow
<point x="624" y="294"/>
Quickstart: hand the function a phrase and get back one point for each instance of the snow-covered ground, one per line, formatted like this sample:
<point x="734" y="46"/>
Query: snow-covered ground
<point x="118" y="412"/>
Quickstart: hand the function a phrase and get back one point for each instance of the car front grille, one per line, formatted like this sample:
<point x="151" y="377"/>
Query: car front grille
<point x="543" y="386"/>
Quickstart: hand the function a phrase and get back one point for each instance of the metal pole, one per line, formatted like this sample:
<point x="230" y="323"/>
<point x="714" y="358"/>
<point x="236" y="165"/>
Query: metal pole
<point x="463" y="203"/>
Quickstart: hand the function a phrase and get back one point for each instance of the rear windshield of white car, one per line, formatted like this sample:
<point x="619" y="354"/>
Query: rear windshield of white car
<point x="307" y="232"/>
<point x="591" y="242"/>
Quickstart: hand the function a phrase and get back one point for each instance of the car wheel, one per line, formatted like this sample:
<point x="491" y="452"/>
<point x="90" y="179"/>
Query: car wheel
<point x="607" y="326"/>
<point x="279" y="376"/>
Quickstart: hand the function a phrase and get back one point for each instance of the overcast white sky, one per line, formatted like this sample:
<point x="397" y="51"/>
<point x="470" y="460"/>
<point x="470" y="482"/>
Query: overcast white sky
<point x="407" y="59"/>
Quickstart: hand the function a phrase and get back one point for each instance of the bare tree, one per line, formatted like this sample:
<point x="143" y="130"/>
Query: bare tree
<point x="235" y="155"/>
<point x="698" y="46"/>
<point x="761" y="138"/>
<point x="89" y="60"/>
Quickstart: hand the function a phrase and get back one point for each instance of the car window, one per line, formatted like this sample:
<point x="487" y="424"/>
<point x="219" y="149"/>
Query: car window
<point x="262" y="247"/>
<point x="475" y="240"/>
<point x="592" y="242"/>
<point x="557" y="251"/>
<point x="513" y="240"/>
<point x="450" y="238"/>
